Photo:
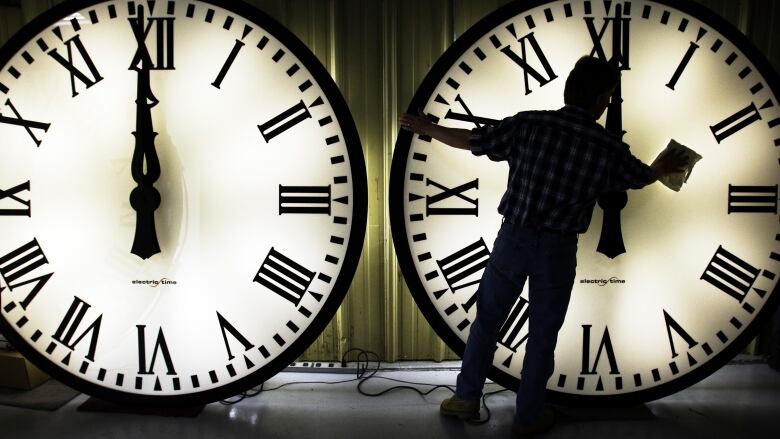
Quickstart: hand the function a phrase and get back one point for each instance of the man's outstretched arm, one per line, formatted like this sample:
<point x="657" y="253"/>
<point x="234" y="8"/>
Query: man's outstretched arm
<point x="454" y="137"/>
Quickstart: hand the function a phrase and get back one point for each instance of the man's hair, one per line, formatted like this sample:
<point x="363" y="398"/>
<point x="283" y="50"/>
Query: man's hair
<point x="590" y="78"/>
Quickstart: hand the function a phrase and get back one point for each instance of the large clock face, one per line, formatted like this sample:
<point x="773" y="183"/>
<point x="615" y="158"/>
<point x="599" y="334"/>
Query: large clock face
<point x="701" y="265"/>
<point x="182" y="197"/>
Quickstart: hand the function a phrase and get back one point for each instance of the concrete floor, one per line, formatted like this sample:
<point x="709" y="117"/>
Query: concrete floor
<point x="739" y="401"/>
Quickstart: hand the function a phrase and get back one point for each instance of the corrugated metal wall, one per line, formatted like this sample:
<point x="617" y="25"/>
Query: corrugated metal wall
<point x="378" y="51"/>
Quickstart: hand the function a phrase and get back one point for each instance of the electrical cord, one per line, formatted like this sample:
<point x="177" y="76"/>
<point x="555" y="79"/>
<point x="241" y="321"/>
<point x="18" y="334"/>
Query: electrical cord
<point x="364" y="359"/>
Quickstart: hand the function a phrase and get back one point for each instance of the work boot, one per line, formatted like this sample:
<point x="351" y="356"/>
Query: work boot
<point x="461" y="408"/>
<point x="541" y="425"/>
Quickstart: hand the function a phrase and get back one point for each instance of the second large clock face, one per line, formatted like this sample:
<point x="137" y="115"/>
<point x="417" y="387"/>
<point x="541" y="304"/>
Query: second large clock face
<point x="701" y="265"/>
<point x="182" y="197"/>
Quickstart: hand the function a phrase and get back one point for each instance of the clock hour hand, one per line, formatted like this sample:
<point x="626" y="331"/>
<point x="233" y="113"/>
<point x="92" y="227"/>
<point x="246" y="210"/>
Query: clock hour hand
<point x="611" y="239"/>
<point x="145" y="166"/>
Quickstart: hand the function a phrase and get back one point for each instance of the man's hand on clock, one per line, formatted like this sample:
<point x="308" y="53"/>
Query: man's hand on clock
<point x="420" y="124"/>
<point x="670" y="162"/>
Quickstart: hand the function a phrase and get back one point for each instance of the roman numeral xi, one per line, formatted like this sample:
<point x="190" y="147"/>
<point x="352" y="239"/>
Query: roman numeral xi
<point x="69" y="64"/>
<point x="522" y="60"/>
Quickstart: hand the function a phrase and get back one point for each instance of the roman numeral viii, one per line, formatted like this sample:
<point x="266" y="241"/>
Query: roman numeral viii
<point x="464" y="269"/>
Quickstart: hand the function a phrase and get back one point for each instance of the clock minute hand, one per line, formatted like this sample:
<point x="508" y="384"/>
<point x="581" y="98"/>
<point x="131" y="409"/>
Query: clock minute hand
<point x="145" y="166"/>
<point x="611" y="239"/>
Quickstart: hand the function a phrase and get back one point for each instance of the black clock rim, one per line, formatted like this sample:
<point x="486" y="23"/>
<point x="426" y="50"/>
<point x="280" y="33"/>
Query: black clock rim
<point x="354" y="244"/>
<point x="405" y="257"/>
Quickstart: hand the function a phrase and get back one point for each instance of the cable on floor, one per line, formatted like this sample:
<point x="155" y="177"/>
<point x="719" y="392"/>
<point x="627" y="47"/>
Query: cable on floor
<point x="364" y="359"/>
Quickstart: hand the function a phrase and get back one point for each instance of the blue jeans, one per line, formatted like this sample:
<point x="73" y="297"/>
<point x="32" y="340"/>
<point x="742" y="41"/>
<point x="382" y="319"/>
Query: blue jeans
<point x="548" y="260"/>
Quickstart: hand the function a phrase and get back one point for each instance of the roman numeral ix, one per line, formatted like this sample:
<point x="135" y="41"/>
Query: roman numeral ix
<point x="433" y="203"/>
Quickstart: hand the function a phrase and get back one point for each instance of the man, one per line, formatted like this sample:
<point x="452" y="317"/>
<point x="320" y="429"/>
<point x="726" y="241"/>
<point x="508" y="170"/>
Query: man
<point x="560" y="163"/>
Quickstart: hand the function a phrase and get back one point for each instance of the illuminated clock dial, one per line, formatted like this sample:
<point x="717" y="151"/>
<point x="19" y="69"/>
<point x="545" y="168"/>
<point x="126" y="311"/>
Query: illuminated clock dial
<point x="700" y="267"/>
<point x="182" y="197"/>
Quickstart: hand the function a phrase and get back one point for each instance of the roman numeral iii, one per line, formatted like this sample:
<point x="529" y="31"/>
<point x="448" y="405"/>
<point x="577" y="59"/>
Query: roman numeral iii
<point x="752" y="199"/>
<point x="304" y="199"/>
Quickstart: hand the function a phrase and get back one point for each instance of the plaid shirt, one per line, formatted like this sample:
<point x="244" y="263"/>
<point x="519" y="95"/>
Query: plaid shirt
<point x="560" y="163"/>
